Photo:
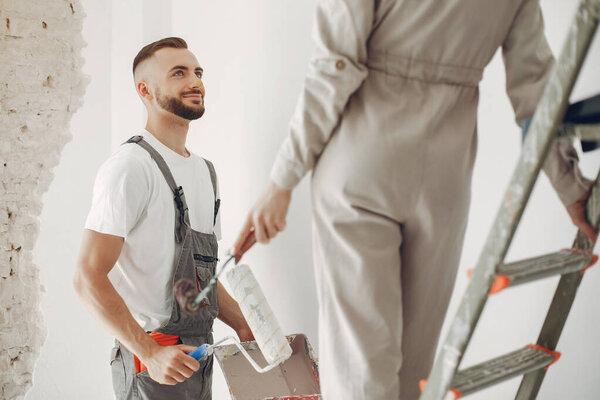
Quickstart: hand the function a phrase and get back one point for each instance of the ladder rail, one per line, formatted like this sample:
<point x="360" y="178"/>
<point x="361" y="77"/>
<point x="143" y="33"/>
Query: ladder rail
<point x="544" y="128"/>
<point x="562" y="301"/>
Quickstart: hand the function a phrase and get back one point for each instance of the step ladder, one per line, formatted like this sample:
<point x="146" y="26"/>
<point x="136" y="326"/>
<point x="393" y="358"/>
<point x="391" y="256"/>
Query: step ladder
<point x="552" y="119"/>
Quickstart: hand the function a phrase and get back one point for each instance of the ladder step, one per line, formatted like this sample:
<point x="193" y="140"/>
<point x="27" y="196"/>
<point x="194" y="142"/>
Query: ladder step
<point x="585" y="118"/>
<point x="488" y="373"/>
<point x="586" y="111"/>
<point x="531" y="269"/>
<point x="587" y="133"/>
<point x="582" y="120"/>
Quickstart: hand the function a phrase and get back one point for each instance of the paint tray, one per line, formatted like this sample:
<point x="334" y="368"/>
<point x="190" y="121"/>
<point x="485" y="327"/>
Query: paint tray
<point x="297" y="378"/>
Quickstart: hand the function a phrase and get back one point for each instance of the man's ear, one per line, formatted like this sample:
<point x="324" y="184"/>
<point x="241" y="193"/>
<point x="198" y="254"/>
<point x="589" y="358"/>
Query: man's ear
<point x="144" y="90"/>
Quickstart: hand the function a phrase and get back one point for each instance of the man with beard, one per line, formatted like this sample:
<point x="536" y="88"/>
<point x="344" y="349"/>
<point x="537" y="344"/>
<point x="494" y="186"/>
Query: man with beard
<point x="131" y="255"/>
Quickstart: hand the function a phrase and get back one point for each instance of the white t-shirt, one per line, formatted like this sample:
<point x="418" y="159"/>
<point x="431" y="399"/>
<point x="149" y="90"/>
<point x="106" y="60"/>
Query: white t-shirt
<point x="132" y="199"/>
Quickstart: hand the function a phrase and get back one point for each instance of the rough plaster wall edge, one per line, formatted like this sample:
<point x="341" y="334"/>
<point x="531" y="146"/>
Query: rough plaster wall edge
<point x="42" y="88"/>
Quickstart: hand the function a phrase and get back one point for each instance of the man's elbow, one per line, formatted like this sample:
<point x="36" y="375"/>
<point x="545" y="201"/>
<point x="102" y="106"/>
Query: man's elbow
<point x="78" y="281"/>
<point x="81" y="280"/>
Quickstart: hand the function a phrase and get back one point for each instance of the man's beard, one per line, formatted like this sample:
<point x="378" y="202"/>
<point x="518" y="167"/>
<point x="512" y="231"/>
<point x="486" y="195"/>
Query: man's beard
<point x="176" y="106"/>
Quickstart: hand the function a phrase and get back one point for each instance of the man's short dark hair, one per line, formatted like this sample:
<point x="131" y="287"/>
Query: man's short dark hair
<point x="149" y="50"/>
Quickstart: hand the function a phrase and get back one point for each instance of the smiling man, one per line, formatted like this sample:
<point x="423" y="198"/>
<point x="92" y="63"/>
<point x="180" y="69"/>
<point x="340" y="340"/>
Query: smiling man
<point x="142" y="234"/>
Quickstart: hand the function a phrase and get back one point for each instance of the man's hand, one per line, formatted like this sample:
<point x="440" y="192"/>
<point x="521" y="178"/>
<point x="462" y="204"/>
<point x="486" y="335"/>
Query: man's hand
<point x="169" y="365"/>
<point x="245" y="334"/>
<point x="577" y="213"/>
<point x="267" y="216"/>
<point x="230" y="313"/>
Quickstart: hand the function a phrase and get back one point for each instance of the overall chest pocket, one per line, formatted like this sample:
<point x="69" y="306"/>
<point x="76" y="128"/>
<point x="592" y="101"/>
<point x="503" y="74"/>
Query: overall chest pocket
<point x="204" y="267"/>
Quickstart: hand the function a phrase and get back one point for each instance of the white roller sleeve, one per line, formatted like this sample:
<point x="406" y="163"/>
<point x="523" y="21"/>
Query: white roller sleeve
<point x="267" y="332"/>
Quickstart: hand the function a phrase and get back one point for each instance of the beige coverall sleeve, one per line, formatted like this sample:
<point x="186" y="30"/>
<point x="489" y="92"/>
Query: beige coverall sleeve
<point x="336" y="71"/>
<point x="528" y="61"/>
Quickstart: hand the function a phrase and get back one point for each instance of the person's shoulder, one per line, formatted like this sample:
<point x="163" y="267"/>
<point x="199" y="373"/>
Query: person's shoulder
<point x="128" y="159"/>
<point x="201" y="161"/>
<point x="206" y="165"/>
<point x="208" y="169"/>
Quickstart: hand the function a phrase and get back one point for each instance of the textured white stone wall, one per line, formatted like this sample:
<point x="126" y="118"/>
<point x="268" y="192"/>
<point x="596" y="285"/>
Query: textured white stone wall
<point x="41" y="86"/>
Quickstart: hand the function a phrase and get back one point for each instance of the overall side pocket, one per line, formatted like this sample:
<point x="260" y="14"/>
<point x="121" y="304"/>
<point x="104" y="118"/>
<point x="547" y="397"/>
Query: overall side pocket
<point x="118" y="372"/>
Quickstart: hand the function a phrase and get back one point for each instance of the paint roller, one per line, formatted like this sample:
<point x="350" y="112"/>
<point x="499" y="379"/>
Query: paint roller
<point x="268" y="334"/>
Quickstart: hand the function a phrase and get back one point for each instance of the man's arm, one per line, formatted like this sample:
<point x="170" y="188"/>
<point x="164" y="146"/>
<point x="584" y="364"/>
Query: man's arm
<point x="97" y="256"/>
<point x="230" y="313"/>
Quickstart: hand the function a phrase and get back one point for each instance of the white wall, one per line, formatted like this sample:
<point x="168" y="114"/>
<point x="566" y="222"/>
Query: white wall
<point x="254" y="61"/>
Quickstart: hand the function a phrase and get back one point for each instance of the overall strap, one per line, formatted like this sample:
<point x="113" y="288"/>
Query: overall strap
<point x="182" y="219"/>
<point x="213" y="179"/>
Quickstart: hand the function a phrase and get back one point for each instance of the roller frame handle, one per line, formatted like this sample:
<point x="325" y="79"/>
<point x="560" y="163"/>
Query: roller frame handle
<point x="201" y="352"/>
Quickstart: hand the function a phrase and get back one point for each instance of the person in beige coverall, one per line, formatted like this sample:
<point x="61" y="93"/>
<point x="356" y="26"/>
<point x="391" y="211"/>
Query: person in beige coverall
<point x="387" y="122"/>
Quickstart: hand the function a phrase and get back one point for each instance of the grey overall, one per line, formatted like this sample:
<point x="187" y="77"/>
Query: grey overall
<point x="196" y="260"/>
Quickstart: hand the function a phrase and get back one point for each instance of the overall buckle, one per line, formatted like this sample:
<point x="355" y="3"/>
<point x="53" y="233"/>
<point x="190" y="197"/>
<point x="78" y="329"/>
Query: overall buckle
<point x="178" y="195"/>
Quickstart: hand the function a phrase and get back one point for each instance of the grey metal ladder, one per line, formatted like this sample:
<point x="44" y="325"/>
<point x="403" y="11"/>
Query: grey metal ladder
<point x="491" y="274"/>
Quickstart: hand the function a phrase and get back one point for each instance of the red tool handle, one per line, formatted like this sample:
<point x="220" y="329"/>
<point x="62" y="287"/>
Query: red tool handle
<point x="248" y="243"/>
